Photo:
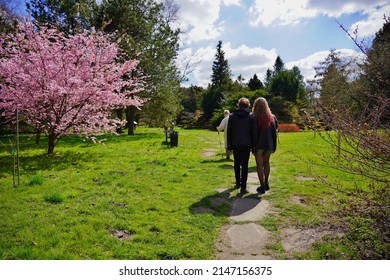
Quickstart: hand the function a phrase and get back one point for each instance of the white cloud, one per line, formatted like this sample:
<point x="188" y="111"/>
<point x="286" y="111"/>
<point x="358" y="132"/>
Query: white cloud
<point x="199" y="20"/>
<point x="280" y="12"/>
<point x="307" y="65"/>
<point x="202" y="58"/>
<point x="232" y="2"/>
<point x="287" y="12"/>
<point x="243" y="61"/>
<point x="336" y="8"/>
<point x="373" y="9"/>
<point x="248" y="61"/>
<point x="372" y="23"/>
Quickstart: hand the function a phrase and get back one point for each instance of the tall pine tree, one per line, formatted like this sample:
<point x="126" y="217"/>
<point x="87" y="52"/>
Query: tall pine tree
<point x="221" y="83"/>
<point x="278" y="65"/>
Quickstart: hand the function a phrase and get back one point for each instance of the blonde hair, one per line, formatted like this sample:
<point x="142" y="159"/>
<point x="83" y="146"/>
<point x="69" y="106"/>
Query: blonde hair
<point x="226" y="112"/>
<point x="263" y="113"/>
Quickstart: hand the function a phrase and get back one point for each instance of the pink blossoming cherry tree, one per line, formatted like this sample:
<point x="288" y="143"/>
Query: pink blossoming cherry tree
<point x="65" y="84"/>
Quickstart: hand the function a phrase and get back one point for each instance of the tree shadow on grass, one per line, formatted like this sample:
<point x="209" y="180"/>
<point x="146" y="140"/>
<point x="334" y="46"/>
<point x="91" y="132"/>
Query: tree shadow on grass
<point x="42" y="162"/>
<point x="39" y="160"/>
<point x="226" y="163"/>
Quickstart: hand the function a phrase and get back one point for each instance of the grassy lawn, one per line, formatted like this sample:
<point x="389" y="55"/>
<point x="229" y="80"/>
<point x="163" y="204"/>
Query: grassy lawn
<point x="134" y="196"/>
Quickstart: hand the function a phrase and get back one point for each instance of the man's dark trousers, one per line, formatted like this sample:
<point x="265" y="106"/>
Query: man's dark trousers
<point x="241" y="161"/>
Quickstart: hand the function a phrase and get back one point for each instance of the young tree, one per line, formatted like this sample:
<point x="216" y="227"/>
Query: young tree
<point x="360" y="139"/>
<point x="334" y="79"/>
<point x="65" y="84"/>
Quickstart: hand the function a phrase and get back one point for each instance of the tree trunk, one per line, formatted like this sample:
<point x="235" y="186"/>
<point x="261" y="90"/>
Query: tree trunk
<point x="130" y="118"/>
<point x="38" y="136"/>
<point x="51" y="140"/>
<point x="119" y="115"/>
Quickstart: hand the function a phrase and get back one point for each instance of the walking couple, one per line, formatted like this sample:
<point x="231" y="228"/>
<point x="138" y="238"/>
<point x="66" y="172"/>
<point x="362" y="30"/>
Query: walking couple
<point x="252" y="131"/>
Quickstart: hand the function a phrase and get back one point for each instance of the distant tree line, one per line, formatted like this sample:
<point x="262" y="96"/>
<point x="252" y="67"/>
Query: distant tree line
<point x="284" y="89"/>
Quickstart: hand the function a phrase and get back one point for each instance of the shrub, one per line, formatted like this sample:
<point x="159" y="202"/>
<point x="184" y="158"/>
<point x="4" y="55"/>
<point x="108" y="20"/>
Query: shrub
<point x="53" y="197"/>
<point x="288" y="128"/>
<point x="36" y="180"/>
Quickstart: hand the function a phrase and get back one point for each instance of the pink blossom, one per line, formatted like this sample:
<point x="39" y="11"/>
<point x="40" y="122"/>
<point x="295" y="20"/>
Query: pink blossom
<point x="65" y="84"/>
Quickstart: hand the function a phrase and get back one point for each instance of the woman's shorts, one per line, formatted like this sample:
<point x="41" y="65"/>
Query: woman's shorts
<point x="262" y="152"/>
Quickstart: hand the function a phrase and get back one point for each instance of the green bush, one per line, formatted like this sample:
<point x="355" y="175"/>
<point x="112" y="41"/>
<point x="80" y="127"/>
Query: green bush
<point x="53" y="197"/>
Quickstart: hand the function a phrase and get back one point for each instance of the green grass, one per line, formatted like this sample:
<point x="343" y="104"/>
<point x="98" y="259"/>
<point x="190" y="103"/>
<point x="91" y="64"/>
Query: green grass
<point x="69" y="205"/>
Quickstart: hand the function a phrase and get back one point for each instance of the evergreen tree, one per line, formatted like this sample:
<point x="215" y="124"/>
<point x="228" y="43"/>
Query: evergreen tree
<point x="287" y="85"/>
<point x="278" y="65"/>
<point x="192" y="98"/>
<point x="377" y="72"/>
<point x="220" y="83"/>
<point x="8" y="18"/>
<point x="144" y="30"/>
<point x="221" y="75"/>
<point x="67" y="15"/>
<point x="255" y="83"/>
<point x="268" y="77"/>
<point x="240" y="80"/>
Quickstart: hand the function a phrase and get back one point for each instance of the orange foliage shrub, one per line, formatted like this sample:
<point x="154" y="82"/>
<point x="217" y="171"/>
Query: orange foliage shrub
<point x="288" y="128"/>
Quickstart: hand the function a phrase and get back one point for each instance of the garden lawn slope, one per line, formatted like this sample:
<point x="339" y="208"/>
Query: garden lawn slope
<point x="133" y="197"/>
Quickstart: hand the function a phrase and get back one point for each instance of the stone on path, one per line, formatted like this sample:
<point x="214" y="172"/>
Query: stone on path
<point x="243" y="238"/>
<point x="249" y="209"/>
<point x="243" y="241"/>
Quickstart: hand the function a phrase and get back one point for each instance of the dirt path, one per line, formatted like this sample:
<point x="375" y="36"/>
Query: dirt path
<point x="244" y="238"/>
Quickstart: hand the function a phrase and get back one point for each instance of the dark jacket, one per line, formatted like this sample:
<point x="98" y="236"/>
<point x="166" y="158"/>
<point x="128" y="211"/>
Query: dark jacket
<point x="266" y="137"/>
<point x="241" y="129"/>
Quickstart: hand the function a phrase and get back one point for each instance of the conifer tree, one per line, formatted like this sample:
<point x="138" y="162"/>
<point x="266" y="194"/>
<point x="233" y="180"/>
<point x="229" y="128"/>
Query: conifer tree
<point x="255" y="83"/>
<point x="278" y="65"/>
<point x="221" y="83"/>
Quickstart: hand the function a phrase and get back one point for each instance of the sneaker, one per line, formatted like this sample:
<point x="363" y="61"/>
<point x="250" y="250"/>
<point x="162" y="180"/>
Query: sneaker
<point x="243" y="192"/>
<point x="261" y="190"/>
<point x="237" y="186"/>
<point x="266" y="187"/>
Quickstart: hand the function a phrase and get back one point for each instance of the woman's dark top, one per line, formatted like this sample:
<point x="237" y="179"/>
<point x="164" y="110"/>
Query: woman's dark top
<point x="266" y="137"/>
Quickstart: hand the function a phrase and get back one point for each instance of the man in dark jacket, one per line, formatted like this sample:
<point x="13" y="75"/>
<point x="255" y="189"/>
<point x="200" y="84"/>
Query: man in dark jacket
<point x="241" y="138"/>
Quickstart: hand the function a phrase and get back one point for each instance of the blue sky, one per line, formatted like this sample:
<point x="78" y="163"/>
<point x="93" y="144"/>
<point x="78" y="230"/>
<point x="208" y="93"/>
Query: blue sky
<point x="255" y="32"/>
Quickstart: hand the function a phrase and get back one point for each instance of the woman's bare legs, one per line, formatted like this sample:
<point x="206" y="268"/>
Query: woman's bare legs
<point x="263" y="170"/>
<point x="266" y="166"/>
<point x="260" y="168"/>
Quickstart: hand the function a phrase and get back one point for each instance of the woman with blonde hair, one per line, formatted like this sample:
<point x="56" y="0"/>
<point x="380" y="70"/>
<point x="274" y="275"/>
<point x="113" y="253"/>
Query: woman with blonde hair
<point x="267" y="126"/>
